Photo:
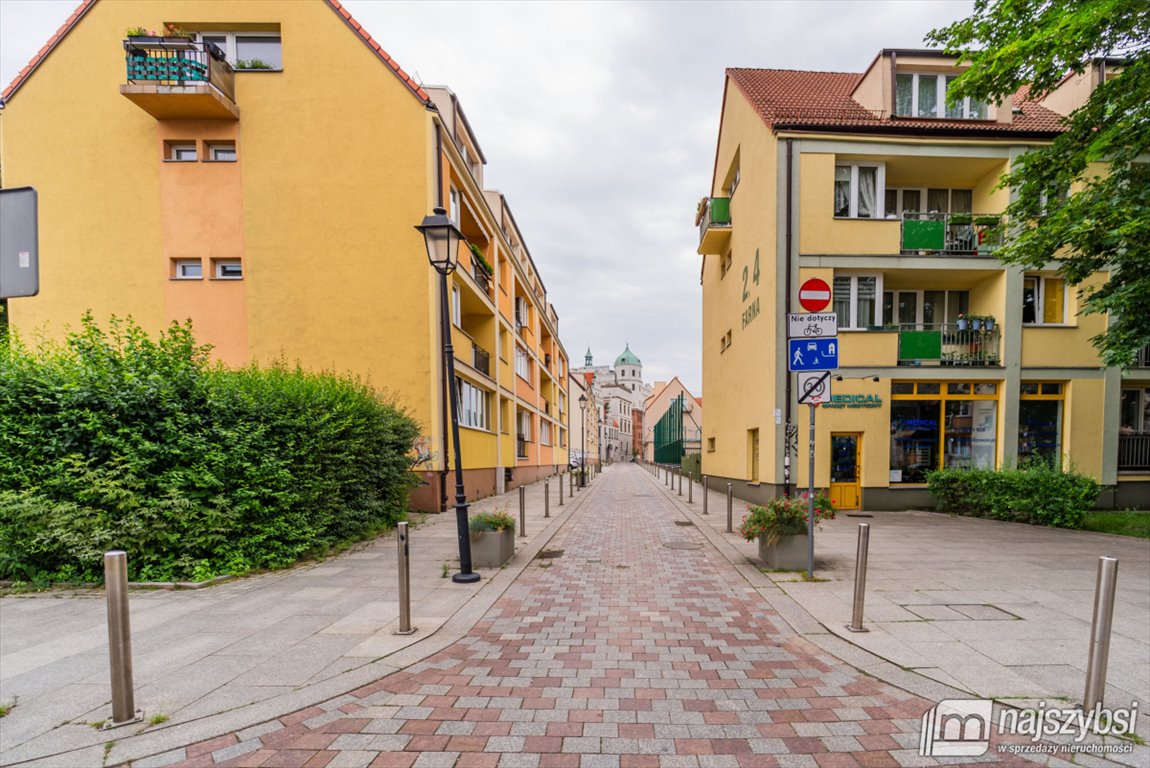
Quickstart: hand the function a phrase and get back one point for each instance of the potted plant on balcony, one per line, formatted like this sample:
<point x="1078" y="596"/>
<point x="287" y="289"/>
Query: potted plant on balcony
<point x="478" y="258"/>
<point x="962" y="322"/>
<point x="975" y="322"/>
<point x="492" y="538"/>
<point x="781" y="529"/>
<point x="988" y="322"/>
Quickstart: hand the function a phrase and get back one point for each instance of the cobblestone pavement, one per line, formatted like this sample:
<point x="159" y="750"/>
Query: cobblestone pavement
<point x="638" y="646"/>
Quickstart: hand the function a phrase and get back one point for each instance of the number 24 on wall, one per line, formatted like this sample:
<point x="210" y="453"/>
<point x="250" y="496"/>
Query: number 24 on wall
<point x="746" y="271"/>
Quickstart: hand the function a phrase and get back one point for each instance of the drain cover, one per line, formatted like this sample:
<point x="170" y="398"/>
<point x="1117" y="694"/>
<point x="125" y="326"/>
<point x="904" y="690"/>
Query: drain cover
<point x="549" y="554"/>
<point x="857" y="515"/>
<point x="682" y="545"/>
<point x="683" y="522"/>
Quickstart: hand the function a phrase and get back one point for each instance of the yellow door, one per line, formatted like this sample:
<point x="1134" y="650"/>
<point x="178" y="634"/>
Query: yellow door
<point x="845" y="470"/>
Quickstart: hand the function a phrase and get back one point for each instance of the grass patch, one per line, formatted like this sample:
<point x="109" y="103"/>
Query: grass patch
<point x="158" y="719"/>
<point x="1129" y="522"/>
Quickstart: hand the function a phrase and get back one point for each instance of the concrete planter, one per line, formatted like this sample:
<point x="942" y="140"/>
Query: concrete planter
<point x="491" y="549"/>
<point x="789" y="554"/>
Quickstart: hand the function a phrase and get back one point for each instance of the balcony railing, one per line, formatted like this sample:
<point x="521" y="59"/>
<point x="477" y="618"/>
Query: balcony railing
<point x="951" y="233"/>
<point x="714" y="220"/>
<point x="178" y="61"/>
<point x="1142" y="359"/>
<point x="948" y="345"/>
<point x="480" y="359"/>
<point x="1134" y="452"/>
<point x="481" y="278"/>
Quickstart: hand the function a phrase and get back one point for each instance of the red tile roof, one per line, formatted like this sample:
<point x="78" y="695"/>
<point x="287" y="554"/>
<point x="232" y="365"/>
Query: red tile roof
<point x="335" y="5"/>
<point x="792" y="99"/>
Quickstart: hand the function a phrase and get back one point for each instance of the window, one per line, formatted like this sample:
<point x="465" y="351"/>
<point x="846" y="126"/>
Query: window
<point x="228" y="269"/>
<point x="1043" y="300"/>
<point x="931" y="428"/>
<point x="222" y="152"/>
<point x="710" y="444"/>
<point x="855" y="299"/>
<point x="523" y="426"/>
<point x="1040" y="421"/>
<point x="725" y="264"/>
<point x="724" y="342"/>
<point x="901" y="201"/>
<point x="473" y="405"/>
<point x="180" y="152"/>
<point x="187" y="269"/>
<point x="453" y="203"/>
<point x="522" y="364"/>
<point x="924" y="308"/>
<point x="734" y="183"/>
<point x="456" y="309"/>
<point x="924" y="95"/>
<point x="544" y="432"/>
<point x="522" y="313"/>
<point x="249" y="50"/>
<point x="858" y="189"/>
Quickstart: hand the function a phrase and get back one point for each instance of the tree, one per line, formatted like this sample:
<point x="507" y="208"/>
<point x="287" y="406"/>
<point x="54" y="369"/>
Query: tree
<point x="1105" y="223"/>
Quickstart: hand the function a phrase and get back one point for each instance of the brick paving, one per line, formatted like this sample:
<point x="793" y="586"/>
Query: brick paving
<point x="621" y="653"/>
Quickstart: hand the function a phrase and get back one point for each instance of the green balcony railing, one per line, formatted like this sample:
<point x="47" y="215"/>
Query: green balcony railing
<point x="951" y="233"/>
<point x="178" y="61"/>
<point x="716" y="213"/>
<point x="948" y="344"/>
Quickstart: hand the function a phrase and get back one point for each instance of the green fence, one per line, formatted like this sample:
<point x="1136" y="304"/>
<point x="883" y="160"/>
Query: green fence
<point x="669" y="434"/>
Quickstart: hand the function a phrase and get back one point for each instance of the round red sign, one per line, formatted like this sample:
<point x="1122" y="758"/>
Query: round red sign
<point x="814" y="295"/>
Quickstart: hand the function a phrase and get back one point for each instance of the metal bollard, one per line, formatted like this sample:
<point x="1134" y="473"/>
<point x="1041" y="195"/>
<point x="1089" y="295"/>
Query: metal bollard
<point x="679" y="474"/>
<point x="401" y="542"/>
<point x="856" y="624"/>
<point x="667" y="476"/>
<point x="119" y="638"/>
<point x="522" y="511"/>
<point x="547" y="497"/>
<point x="571" y="484"/>
<point x="690" y="490"/>
<point x="729" y="498"/>
<point x="560" y="490"/>
<point x="1100" y="627"/>
<point x="705" y="494"/>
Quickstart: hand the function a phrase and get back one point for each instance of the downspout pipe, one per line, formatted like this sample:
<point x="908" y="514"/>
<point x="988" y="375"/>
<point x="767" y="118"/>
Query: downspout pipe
<point x="787" y="305"/>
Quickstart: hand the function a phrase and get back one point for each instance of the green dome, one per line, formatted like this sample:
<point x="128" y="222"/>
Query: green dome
<point x="627" y="358"/>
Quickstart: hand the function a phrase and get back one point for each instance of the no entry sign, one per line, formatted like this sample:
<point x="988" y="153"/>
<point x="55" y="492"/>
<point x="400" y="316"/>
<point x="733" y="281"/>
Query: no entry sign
<point x="814" y="295"/>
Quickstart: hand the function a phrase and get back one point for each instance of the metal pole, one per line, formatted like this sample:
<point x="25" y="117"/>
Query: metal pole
<point x="1104" y="590"/>
<point x="119" y="636"/>
<point x="560" y="490"/>
<point x="856" y="624"/>
<point x="547" y="497"/>
<point x="522" y="511"/>
<point x="690" y="490"/>
<point x="571" y="484"/>
<point x="679" y="474"/>
<point x="667" y="476"/>
<point x="811" y="502"/>
<point x="705" y="494"/>
<point x="404" y="580"/>
<point x="729" y="493"/>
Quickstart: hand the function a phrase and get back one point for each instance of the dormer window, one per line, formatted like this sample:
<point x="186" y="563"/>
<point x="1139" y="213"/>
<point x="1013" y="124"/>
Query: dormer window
<point x="919" y="94"/>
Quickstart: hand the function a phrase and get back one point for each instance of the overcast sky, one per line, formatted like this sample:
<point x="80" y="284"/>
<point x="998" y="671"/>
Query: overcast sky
<point x="599" y="123"/>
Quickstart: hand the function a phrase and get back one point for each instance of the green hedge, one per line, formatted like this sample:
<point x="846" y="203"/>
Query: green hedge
<point x="115" y="440"/>
<point x="1036" y="493"/>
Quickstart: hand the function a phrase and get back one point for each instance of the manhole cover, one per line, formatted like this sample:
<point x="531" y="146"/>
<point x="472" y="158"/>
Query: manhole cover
<point x="682" y="545"/>
<point x="683" y="522"/>
<point x="549" y="554"/>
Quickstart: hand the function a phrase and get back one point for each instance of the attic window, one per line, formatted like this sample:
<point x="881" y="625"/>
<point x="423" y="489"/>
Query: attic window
<point x="249" y="50"/>
<point x="920" y="94"/>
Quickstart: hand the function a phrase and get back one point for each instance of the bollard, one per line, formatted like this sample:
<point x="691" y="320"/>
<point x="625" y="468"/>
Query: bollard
<point x="119" y="638"/>
<point x="679" y="474"/>
<point x="522" y="511"/>
<point x="856" y="624"/>
<point x="690" y="490"/>
<point x="1100" y="627"/>
<point x="560" y="490"/>
<point x="729" y="498"/>
<point x="547" y="498"/>
<point x="571" y="484"/>
<point x="667" y="476"/>
<point x="404" y="580"/>
<point x="705" y="494"/>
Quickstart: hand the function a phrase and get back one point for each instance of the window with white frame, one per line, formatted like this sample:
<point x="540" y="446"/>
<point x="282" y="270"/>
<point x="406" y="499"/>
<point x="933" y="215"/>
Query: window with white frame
<point x="858" y="190"/>
<point x="228" y="269"/>
<point x="222" y="151"/>
<point x="544" y="432"/>
<point x="523" y="425"/>
<point x="922" y="308"/>
<point x="473" y="405"/>
<point x="180" y="151"/>
<point x="249" y="50"/>
<point x="522" y="312"/>
<point x="453" y="203"/>
<point x="187" y="269"/>
<point x="523" y="364"/>
<point x="900" y="201"/>
<point x="922" y="94"/>
<point x="456" y="308"/>
<point x="855" y="300"/>
<point x="1043" y="300"/>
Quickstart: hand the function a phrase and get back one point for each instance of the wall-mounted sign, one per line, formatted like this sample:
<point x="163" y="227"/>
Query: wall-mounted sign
<point x="853" y="401"/>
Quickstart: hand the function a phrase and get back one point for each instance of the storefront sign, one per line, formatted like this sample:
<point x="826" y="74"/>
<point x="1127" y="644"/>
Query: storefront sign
<point x="853" y="401"/>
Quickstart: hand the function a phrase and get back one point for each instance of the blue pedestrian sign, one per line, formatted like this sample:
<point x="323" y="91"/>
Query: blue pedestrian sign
<point x="820" y="354"/>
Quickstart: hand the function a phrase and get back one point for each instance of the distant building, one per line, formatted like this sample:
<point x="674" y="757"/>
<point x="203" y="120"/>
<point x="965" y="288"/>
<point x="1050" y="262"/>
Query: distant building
<point x="620" y="394"/>
<point x="690" y="408"/>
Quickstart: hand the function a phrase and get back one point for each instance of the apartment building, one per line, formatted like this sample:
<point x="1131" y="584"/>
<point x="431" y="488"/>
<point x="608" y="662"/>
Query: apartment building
<point x="260" y="169"/>
<point x="947" y="357"/>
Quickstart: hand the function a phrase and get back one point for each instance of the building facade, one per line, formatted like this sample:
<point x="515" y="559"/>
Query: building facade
<point x="585" y="420"/>
<point x="260" y="170"/>
<point x="620" y="393"/>
<point x="947" y="357"/>
<point x="690" y="414"/>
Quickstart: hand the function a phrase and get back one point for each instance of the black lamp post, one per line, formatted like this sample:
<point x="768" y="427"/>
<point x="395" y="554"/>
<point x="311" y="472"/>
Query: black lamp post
<point x="442" y="239"/>
<point x="583" y="442"/>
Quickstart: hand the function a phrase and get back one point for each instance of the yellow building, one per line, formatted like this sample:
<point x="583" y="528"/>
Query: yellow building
<point x="261" y="170"/>
<point x="873" y="184"/>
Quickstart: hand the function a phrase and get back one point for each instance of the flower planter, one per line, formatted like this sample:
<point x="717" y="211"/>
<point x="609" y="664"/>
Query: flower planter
<point x="961" y="325"/>
<point x="491" y="549"/>
<point x="788" y="554"/>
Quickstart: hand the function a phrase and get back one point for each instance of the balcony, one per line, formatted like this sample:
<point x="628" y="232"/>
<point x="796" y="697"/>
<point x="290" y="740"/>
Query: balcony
<point x="951" y="234"/>
<point x="1142" y="359"/>
<point x="945" y="344"/>
<point x="714" y="220"/>
<point x="1134" y="452"/>
<point x="482" y="279"/>
<point x="173" y="78"/>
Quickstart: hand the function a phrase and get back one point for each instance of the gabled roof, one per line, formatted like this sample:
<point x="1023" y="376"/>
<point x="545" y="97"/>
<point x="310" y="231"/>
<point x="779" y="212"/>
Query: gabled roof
<point x="802" y="100"/>
<point x="335" y="5"/>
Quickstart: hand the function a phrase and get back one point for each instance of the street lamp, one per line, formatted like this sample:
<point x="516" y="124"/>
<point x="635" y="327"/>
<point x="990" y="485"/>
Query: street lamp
<point x="583" y="442"/>
<point x="442" y="239"/>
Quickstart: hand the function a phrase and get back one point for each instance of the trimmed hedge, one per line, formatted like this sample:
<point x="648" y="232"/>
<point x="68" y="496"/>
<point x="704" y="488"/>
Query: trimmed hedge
<point x="115" y="440"/>
<point x="1037" y="493"/>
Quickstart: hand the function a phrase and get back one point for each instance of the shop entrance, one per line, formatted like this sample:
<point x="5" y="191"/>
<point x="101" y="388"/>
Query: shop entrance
<point x="845" y="471"/>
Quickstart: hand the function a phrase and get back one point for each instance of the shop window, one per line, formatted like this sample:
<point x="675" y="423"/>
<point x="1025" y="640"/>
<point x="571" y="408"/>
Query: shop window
<point x="1043" y="300"/>
<point x="1040" y="414"/>
<point x="931" y="429"/>
<point x="855" y="300"/>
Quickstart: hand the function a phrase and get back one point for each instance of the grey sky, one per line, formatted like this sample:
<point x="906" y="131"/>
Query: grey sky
<point x="599" y="123"/>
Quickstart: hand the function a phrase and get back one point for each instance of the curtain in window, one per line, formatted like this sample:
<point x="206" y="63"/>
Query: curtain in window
<point x="955" y="110"/>
<point x="842" y="300"/>
<point x="904" y="95"/>
<point x="1053" y="299"/>
<point x="868" y="193"/>
<point x="867" y="288"/>
<point x="842" y="190"/>
<point x="911" y="201"/>
<point x="928" y="96"/>
<point x="961" y="200"/>
<point x="938" y="200"/>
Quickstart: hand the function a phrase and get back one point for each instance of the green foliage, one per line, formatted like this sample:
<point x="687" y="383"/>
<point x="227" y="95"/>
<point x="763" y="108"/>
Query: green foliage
<point x="116" y="440"/>
<point x="1037" y="492"/>
<point x="1125" y="523"/>
<point x="253" y="64"/>
<point x="479" y="257"/>
<point x="1105" y="224"/>
<point x="785" y="516"/>
<point x="497" y="520"/>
